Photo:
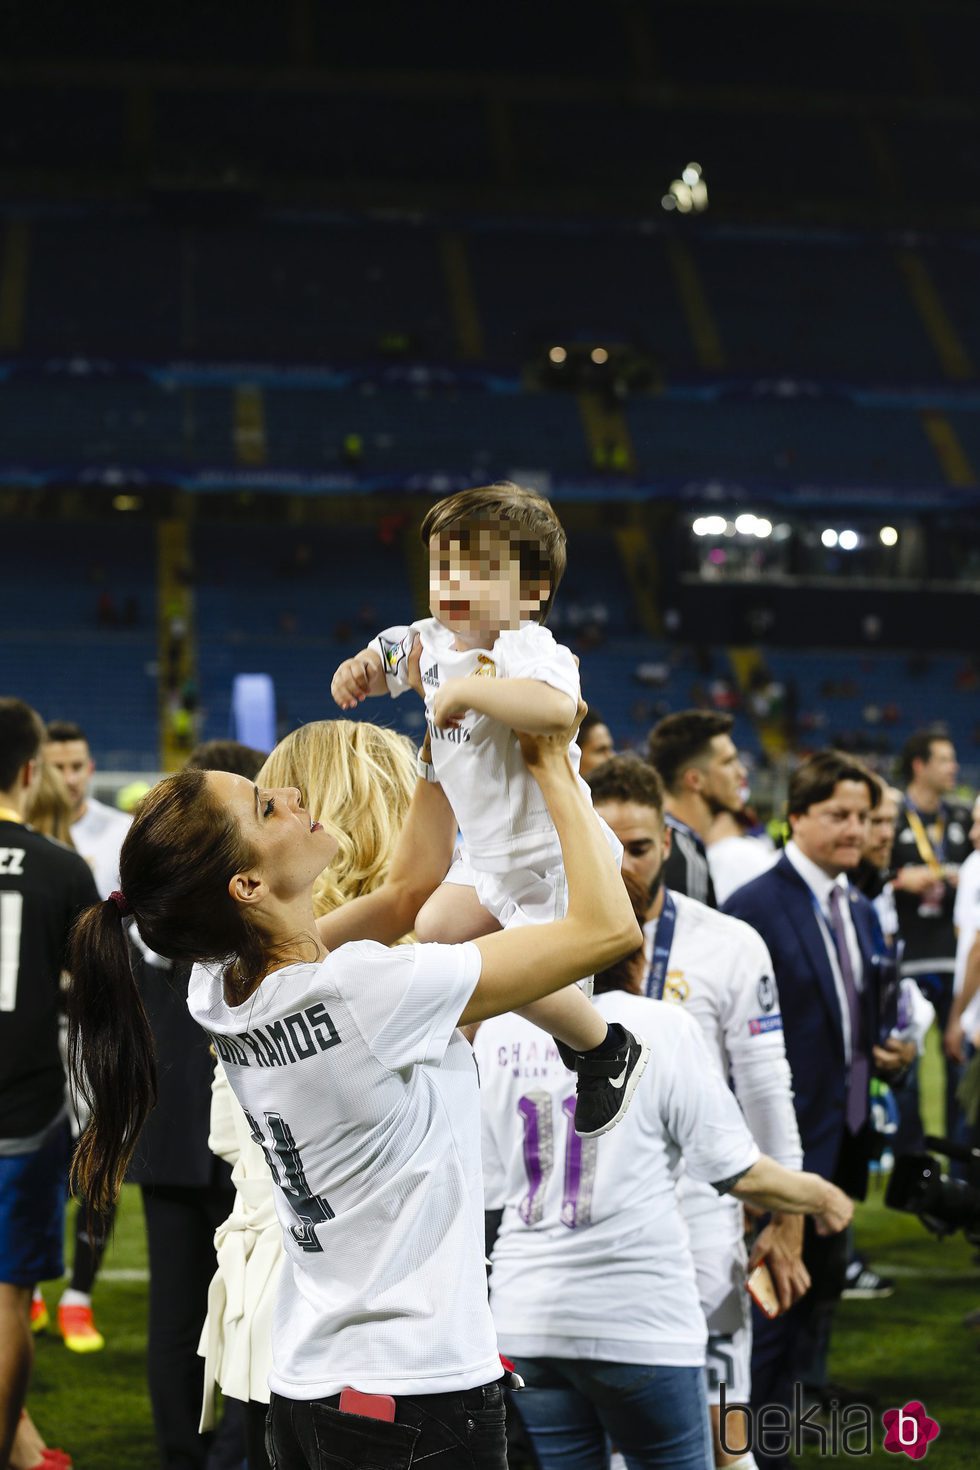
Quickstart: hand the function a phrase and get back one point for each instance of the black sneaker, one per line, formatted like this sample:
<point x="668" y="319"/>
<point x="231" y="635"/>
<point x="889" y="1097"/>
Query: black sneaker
<point x="861" y="1284"/>
<point x="604" y="1088"/>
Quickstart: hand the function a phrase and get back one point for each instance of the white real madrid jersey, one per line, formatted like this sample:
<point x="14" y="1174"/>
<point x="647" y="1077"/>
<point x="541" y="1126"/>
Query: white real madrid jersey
<point x="721" y="973"/>
<point x="966" y="917"/>
<point x="592" y="1258"/>
<point x="499" y="807"/>
<point x="99" y="836"/>
<point x="363" y="1097"/>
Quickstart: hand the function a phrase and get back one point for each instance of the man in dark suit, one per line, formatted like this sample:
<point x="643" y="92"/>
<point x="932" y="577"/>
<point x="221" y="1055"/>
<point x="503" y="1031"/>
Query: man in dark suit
<point x="832" y="972"/>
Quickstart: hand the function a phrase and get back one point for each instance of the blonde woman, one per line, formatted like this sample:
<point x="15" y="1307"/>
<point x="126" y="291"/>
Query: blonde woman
<point x="357" y="780"/>
<point x="49" y="806"/>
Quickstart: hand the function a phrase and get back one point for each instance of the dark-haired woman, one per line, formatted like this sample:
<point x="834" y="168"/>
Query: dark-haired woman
<point x="357" y="1086"/>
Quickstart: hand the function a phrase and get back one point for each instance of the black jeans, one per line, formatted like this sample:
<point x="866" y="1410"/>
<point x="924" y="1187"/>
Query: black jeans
<point x="435" y="1431"/>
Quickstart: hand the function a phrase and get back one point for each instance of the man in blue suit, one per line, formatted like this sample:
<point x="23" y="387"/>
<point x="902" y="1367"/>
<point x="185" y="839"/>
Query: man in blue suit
<point x="832" y="974"/>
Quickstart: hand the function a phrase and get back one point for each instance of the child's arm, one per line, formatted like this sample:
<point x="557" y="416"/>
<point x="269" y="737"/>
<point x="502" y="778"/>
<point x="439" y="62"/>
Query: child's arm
<point x="357" y="678"/>
<point x="389" y="665"/>
<point x="523" y="704"/>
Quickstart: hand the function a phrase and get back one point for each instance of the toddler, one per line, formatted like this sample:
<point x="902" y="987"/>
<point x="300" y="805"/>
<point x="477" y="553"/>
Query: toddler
<point x="489" y="667"/>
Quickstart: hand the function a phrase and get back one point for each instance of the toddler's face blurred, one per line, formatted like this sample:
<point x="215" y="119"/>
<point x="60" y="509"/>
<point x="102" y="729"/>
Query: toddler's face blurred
<point x="475" y="584"/>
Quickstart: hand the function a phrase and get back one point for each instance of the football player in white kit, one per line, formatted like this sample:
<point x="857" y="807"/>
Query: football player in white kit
<point x="360" y="1089"/>
<point x="489" y="668"/>
<point x="97" y="831"/>
<point x="593" y="1287"/>
<point x="719" y="971"/>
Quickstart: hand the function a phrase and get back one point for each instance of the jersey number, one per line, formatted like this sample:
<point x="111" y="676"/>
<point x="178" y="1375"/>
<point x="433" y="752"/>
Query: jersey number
<point x="286" y="1168"/>
<point x="719" y="1361"/>
<point x="536" y="1112"/>
<point x="11" y="915"/>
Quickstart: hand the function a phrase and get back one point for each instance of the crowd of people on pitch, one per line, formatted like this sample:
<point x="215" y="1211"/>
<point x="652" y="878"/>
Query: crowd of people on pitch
<point x="356" y="1017"/>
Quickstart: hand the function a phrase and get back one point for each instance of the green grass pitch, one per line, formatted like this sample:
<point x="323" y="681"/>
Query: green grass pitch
<point x="911" y="1346"/>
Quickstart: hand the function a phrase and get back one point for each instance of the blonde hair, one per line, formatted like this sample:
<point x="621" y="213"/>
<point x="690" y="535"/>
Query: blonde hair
<point x="357" y="780"/>
<point x="49" y="805"/>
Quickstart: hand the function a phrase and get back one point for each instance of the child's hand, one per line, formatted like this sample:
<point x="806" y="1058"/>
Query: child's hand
<point x="358" y="677"/>
<point x="450" y="704"/>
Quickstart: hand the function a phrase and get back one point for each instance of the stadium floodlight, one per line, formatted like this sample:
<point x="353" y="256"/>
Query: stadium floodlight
<point x="557" y="355"/>
<point x="699" y="527"/>
<point x="888" y="536"/>
<point x="763" y="528"/>
<point x="829" y="537"/>
<point x="691" y="174"/>
<point x="745" y="525"/>
<point x="714" y="526"/>
<point x="848" y="540"/>
<point x="599" y="356"/>
<point x="682" y="196"/>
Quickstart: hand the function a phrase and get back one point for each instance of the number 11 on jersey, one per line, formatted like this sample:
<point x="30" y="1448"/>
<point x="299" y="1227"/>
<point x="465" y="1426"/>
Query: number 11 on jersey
<point x="536" y="1113"/>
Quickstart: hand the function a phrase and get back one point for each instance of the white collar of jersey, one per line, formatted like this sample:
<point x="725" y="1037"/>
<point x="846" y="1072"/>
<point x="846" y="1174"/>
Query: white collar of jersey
<point x="819" y="883"/>
<point x="446" y="637"/>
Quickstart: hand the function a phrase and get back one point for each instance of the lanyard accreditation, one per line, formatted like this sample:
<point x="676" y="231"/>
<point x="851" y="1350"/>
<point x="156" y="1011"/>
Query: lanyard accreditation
<point x="931" y="856"/>
<point x="663" y="939"/>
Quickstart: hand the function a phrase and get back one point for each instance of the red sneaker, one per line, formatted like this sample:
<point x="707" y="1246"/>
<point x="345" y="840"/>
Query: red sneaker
<point x="40" y="1317"/>
<point x="77" y="1327"/>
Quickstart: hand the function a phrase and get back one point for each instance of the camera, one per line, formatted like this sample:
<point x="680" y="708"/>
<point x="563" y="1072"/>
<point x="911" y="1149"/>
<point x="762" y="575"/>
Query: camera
<point x="943" y="1204"/>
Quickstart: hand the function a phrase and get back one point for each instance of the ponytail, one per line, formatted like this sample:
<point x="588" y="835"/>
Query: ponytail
<point x="110" y="1052"/>
<point x="175" y="865"/>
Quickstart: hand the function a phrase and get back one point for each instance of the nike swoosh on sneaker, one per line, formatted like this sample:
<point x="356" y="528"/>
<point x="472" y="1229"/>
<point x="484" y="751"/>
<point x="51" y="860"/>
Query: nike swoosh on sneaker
<point x="618" y="1081"/>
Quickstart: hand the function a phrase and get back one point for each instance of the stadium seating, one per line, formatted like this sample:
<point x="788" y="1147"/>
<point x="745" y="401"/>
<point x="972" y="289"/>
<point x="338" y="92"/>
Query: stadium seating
<point x="874" y="701"/>
<point x="78" y="631"/>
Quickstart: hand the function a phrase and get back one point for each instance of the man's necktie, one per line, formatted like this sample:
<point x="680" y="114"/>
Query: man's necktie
<point x="860" y="1072"/>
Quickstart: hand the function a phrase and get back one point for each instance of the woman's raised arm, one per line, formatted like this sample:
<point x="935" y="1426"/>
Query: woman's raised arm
<point x="420" y="861"/>
<point x="522" y="965"/>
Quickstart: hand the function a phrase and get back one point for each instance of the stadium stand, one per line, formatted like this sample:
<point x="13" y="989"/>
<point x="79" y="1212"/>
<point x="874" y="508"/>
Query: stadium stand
<point x="78" y="631"/>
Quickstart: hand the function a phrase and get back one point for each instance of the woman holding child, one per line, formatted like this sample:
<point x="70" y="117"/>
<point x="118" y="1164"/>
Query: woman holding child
<point x="345" y="1057"/>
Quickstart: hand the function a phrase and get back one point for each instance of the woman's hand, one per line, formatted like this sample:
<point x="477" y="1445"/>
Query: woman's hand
<point x="542" y="751"/>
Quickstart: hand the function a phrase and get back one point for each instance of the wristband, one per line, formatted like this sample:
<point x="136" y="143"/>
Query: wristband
<point x="425" y="770"/>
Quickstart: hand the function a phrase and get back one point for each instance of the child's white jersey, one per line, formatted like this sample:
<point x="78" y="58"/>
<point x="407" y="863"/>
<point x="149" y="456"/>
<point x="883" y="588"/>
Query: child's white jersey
<point x="365" y="1101"/>
<point x="497" y="802"/>
<point x="592" y="1260"/>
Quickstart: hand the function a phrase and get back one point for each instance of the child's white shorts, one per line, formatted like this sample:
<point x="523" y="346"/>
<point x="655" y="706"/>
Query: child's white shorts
<point x="524" y="895"/>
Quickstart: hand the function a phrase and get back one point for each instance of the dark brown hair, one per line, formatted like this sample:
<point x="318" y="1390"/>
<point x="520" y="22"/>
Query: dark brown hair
<point x="628" y="973"/>
<point x="226" y="755"/>
<point x="681" y="740"/>
<point x="541" y="537"/>
<point x="816" y="779"/>
<point x="61" y="730"/>
<point x="175" y="864"/>
<point x="918" y="747"/>
<point x="21" y="733"/>
<point x="627" y="778"/>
